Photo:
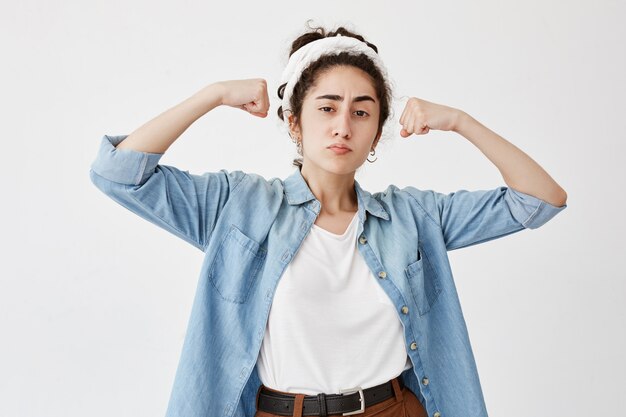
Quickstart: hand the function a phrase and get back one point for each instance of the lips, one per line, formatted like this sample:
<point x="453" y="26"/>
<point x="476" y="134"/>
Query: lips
<point x="339" y="146"/>
<point x="339" y="149"/>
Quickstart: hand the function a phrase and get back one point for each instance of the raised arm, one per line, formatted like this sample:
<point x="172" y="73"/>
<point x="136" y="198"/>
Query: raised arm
<point x="127" y="167"/>
<point x="158" y="134"/>
<point x="469" y="217"/>
<point x="519" y="171"/>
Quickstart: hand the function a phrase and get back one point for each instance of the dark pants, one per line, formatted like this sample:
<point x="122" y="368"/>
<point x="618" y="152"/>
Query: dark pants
<point x="403" y="404"/>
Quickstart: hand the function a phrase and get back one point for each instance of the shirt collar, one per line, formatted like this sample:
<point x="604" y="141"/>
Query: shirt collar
<point x="298" y="192"/>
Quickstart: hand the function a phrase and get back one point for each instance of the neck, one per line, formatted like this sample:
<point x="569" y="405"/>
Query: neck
<point x="335" y="192"/>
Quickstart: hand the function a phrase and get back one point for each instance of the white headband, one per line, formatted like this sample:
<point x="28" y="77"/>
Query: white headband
<point x="310" y="52"/>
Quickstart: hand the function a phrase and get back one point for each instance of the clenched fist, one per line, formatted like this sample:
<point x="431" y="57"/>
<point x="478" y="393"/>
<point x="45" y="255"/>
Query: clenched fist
<point x="420" y="116"/>
<point x="249" y="95"/>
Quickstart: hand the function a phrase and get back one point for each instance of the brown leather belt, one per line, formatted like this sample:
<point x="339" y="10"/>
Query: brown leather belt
<point x="351" y="401"/>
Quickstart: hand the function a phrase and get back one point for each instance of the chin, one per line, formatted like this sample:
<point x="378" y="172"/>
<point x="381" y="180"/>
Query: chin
<point x="342" y="170"/>
<point x="335" y="166"/>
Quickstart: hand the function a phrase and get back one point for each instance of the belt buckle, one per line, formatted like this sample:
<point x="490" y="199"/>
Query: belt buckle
<point x="352" y="391"/>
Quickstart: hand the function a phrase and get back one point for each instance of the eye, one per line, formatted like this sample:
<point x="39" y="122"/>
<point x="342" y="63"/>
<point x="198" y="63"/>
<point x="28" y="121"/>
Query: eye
<point x="362" y="111"/>
<point x="322" y="108"/>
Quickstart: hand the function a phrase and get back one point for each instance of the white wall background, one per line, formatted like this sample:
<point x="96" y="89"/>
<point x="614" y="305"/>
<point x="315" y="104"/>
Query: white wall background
<point x="94" y="300"/>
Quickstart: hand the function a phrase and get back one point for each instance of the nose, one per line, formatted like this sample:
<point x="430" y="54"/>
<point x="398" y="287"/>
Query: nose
<point x="342" y="124"/>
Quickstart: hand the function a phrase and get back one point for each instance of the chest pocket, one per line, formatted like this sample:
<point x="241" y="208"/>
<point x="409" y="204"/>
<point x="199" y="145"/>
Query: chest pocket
<point x="424" y="282"/>
<point x="236" y="265"/>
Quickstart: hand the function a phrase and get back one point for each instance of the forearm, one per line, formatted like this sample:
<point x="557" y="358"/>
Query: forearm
<point x="158" y="134"/>
<point x="518" y="170"/>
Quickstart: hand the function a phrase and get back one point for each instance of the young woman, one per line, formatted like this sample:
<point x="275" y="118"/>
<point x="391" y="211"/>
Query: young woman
<point x="317" y="297"/>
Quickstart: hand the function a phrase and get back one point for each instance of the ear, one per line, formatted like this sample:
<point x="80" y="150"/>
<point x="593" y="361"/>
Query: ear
<point x="294" y="129"/>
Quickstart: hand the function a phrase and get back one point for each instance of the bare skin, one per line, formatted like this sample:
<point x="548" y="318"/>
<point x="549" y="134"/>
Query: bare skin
<point x="158" y="134"/>
<point x="335" y="223"/>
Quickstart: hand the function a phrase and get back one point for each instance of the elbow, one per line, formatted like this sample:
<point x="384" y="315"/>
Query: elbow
<point x="559" y="198"/>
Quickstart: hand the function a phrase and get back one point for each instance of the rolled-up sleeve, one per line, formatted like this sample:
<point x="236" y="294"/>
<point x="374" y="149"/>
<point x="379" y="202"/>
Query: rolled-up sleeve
<point x="184" y="204"/>
<point x="470" y="217"/>
<point x="530" y="211"/>
<point x="124" y="166"/>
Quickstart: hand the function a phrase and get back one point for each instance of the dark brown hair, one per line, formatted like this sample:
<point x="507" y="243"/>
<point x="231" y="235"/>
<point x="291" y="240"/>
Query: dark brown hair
<point x="310" y="75"/>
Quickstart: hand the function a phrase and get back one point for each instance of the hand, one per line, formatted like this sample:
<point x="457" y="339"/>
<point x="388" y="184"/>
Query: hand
<point x="419" y="116"/>
<point x="249" y="95"/>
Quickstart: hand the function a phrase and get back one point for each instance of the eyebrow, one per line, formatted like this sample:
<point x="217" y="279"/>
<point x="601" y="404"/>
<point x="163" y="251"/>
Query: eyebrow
<point x="339" y="98"/>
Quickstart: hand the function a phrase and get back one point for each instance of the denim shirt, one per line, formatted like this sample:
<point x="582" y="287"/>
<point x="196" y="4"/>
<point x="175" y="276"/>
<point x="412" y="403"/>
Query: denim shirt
<point x="250" y="228"/>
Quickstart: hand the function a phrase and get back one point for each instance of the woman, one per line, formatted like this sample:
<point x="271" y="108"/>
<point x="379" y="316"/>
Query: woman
<point x="315" y="296"/>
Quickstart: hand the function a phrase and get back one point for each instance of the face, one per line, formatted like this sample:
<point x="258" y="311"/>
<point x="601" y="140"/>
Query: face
<point x="341" y="109"/>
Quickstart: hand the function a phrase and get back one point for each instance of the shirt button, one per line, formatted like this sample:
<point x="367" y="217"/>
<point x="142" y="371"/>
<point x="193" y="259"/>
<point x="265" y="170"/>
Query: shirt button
<point x="437" y="414"/>
<point x="413" y="346"/>
<point x="425" y="381"/>
<point x="405" y="309"/>
<point x="382" y="274"/>
<point x="362" y="240"/>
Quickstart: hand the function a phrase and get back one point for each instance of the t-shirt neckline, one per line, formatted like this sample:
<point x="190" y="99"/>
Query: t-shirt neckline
<point x="335" y="235"/>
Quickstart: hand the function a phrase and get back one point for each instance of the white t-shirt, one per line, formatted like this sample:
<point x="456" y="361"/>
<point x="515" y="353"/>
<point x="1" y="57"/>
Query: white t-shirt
<point x="331" y="326"/>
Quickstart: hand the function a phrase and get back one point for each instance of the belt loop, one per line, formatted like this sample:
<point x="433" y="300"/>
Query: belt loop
<point x="396" y="389"/>
<point x="297" y="405"/>
<point x="321" y="399"/>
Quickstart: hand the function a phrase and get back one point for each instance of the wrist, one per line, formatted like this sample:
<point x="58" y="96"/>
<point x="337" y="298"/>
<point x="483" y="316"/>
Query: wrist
<point x="212" y="95"/>
<point x="460" y="121"/>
